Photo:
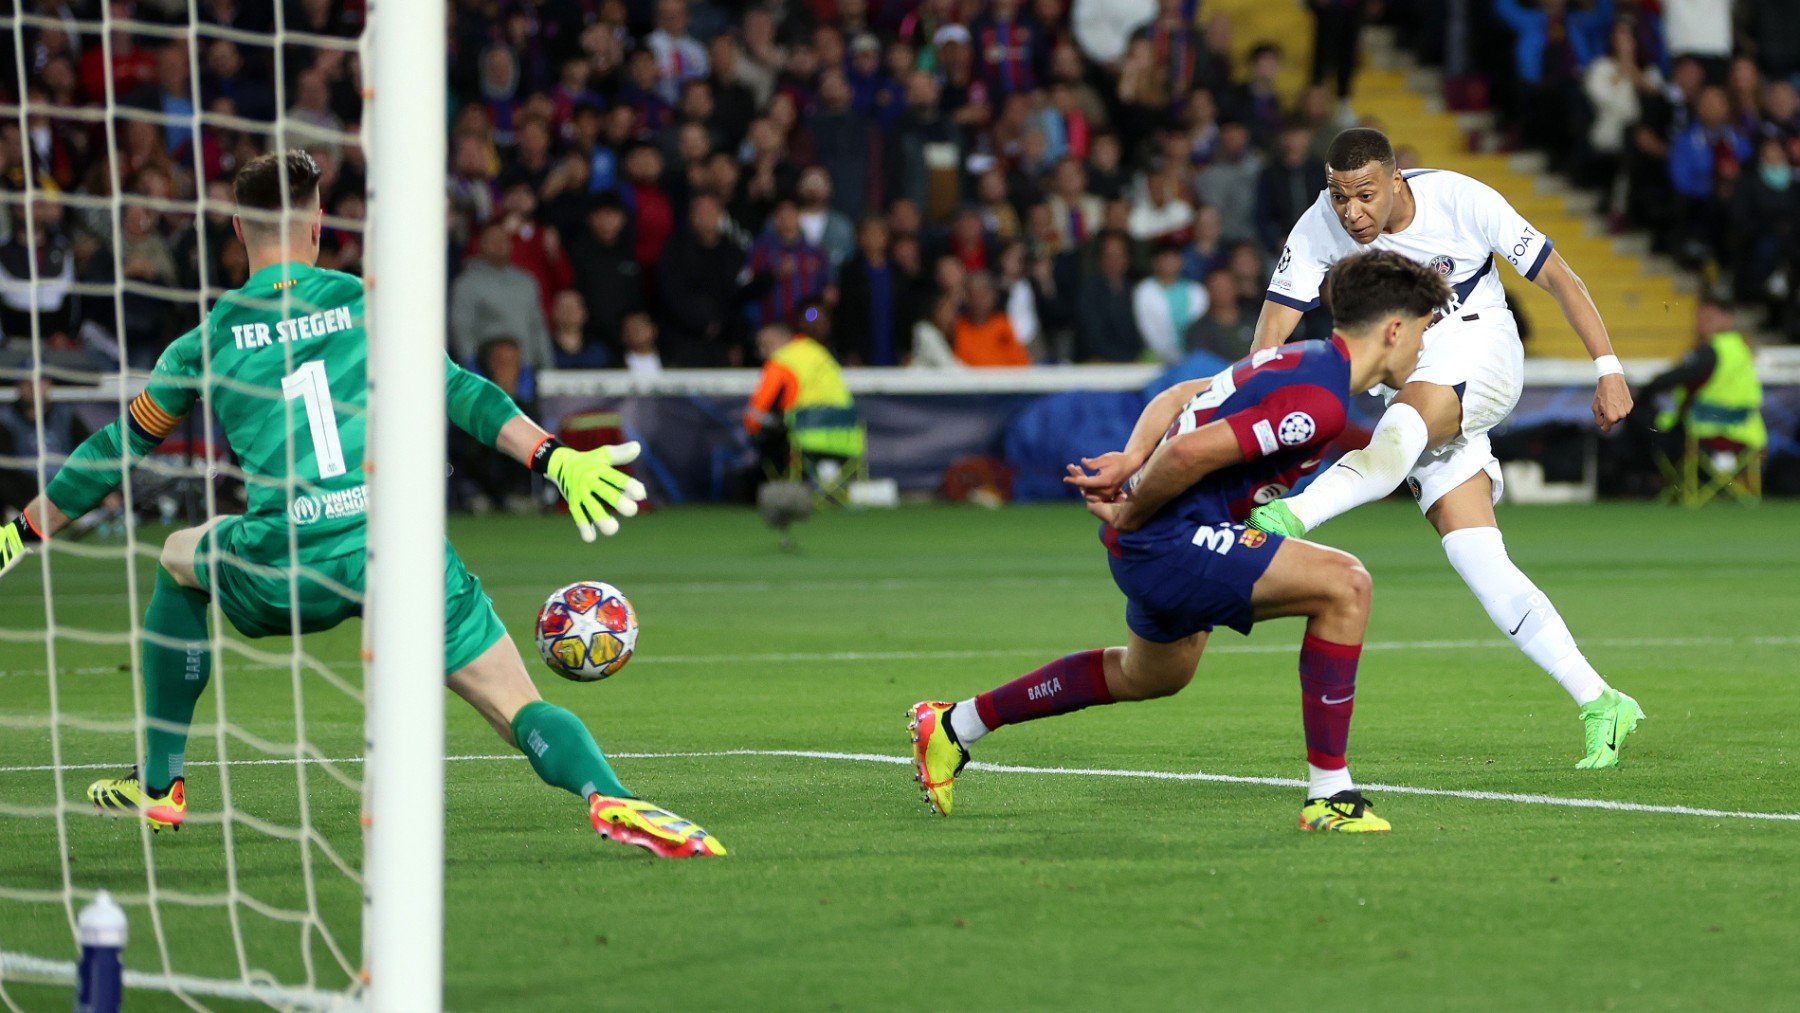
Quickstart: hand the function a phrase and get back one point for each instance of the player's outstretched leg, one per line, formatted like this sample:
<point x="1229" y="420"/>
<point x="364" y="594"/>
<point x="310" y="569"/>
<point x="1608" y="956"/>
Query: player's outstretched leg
<point x="1472" y="541"/>
<point x="1333" y="591"/>
<point x="177" y="662"/>
<point x="1421" y="412"/>
<point x="564" y="754"/>
<point x="943" y="732"/>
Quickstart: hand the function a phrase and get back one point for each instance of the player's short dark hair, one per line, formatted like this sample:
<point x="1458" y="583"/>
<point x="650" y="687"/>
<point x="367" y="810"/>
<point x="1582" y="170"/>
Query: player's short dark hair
<point x="258" y="184"/>
<point x="1354" y="148"/>
<point x="1365" y="287"/>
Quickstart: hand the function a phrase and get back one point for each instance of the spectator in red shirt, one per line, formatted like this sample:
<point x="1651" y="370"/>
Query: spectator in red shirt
<point x="653" y="214"/>
<point x="131" y="67"/>
<point x="536" y="248"/>
<point x="969" y="242"/>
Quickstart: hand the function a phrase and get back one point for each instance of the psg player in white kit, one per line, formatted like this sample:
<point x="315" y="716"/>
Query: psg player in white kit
<point x="1434" y="432"/>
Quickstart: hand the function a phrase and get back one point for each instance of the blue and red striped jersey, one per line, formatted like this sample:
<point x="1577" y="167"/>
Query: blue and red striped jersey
<point x="797" y="271"/>
<point x="1283" y="405"/>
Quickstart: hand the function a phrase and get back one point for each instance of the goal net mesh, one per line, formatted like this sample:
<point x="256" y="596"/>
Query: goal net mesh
<point x="123" y="123"/>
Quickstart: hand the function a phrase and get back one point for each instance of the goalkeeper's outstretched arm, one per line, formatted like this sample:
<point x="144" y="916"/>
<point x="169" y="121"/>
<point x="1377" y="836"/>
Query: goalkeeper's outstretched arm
<point x="98" y="466"/>
<point x="95" y="469"/>
<point x="588" y="479"/>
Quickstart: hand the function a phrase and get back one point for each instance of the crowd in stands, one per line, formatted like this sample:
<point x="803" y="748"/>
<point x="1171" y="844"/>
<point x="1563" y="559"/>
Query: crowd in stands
<point x="643" y="184"/>
<point x="1682" y="116"/>
<point x="962" y="182"/>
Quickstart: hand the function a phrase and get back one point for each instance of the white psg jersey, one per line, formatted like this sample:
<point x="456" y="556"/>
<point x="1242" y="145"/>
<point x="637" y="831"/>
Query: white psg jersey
<point x="1458" y="225"/>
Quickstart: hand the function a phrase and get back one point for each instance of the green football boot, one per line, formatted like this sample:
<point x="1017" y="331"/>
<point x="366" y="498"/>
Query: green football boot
<point x="1609" y="719"/>
<point x="1276" y="519"/>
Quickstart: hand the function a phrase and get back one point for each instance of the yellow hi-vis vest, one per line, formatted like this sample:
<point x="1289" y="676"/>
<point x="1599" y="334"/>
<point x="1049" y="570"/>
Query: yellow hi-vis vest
<point x="823" y="418"/>
<point x="1729" y="404"/>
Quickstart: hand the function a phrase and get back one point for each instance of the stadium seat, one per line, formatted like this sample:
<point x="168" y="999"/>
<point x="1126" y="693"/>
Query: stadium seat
<point x="1709" y="467"/>
<point x="814" y="439"/>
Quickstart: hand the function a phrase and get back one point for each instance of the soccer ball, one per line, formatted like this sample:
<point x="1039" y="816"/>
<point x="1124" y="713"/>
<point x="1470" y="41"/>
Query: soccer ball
<point x="587" y="631"/>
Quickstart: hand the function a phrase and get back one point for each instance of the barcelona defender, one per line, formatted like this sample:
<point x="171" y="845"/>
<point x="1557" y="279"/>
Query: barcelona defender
<point x="1202" y="456"/>
<point x="281" y="364"/>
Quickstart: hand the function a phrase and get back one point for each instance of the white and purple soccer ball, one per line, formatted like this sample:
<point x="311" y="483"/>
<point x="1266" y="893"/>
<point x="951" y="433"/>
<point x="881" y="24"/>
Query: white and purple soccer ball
<point x="587" y="631"/>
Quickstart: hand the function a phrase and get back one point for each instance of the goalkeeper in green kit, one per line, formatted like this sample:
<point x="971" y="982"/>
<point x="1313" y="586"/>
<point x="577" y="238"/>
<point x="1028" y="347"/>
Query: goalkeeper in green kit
<point x="287" y="384"/>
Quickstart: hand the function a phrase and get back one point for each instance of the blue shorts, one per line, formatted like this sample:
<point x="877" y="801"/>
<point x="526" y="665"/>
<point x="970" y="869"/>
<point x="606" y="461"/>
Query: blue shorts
<point x="1185" y="579"/>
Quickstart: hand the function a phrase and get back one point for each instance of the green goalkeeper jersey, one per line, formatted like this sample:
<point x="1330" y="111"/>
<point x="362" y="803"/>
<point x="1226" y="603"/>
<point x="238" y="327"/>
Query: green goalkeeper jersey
<point x="282" y="363"/>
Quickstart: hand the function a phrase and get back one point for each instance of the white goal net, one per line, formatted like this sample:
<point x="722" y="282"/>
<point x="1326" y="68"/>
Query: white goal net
<point x="123" y="123"/>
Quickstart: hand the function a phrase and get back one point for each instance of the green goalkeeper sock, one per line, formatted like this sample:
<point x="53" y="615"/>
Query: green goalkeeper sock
<point x="563" y="751"/>
<point x="176" y="671"/>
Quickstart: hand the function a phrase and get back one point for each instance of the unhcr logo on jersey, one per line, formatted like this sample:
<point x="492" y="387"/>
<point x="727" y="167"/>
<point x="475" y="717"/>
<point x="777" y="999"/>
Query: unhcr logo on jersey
<point x="304" y="511"/>
<point x="349" y="502"/>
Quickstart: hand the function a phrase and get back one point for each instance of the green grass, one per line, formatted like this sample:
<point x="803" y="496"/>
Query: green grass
<point x="1045" y="890"/>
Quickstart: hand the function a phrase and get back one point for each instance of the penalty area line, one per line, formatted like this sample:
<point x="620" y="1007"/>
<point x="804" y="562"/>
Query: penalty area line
<point x="1276" y="782"/>
<point x="1472" y="795"/>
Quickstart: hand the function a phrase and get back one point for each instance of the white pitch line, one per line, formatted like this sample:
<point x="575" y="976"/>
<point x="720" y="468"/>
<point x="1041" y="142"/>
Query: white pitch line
<point x="1485" y="644"/>
<point x="27" y="967"/>
<point x="1007" y="768"/>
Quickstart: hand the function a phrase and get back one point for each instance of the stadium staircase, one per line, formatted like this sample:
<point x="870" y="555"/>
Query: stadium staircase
<point x="1648" y="304"/>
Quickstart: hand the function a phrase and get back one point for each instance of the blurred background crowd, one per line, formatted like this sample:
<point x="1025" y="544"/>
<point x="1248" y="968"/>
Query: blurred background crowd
<point x="981" y="182"/>
<point x="1682" y="117"/>
<point x="648" y="184"/>
<point x="642" y="183"/>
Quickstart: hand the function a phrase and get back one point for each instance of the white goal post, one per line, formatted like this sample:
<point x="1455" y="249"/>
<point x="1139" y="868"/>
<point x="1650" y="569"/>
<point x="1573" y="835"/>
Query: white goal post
<point x="403" y="865"/>
<point x="204" y="934"/>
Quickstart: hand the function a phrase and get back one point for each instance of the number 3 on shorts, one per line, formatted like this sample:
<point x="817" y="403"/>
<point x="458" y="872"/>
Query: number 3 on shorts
<point x="308" y="384"/>
<point x="1219" y="539"/>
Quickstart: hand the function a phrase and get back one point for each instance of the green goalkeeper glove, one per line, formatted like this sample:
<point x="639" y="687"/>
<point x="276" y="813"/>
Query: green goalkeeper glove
<point x="16" y="539"/>
<point x="590" y="483"/>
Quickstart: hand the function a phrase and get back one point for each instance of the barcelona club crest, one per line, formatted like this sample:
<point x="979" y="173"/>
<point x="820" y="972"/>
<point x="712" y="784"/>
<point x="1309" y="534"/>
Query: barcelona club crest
<point x="1251" y="538"/>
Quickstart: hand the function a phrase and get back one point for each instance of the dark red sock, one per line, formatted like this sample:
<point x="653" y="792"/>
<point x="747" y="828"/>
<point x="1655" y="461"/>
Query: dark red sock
<point x="1327" y="695"/>
<point x="1064" y="685"/>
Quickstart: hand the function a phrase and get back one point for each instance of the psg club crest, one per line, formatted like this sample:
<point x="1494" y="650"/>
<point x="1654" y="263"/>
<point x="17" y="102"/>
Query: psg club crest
<point x="1441" y="264"/>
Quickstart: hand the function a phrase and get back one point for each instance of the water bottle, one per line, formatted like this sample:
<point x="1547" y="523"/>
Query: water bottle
<point x="98" y="984"/>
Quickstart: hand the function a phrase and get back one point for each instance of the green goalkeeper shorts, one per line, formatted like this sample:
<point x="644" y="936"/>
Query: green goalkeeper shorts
<point x="257" y="598"/>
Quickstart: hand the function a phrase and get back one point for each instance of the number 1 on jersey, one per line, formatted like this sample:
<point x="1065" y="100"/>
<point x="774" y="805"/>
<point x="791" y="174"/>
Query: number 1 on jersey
<point x="308" y="384"/>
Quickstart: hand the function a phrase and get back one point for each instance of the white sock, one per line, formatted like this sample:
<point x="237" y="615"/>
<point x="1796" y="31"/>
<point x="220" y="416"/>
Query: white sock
<point x="1326" y="783"/>
<point x="1521" y="611"/>
<point x="965" y="723"/>
<point x="1363" y="476"/>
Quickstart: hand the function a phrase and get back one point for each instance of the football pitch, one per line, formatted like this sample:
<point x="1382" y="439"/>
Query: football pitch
<point x="1142" y="855"/>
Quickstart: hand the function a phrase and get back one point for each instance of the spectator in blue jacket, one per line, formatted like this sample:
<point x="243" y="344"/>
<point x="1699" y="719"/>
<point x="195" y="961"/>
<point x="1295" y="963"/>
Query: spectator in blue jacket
<point x="1539" y="31"/>
<point x="1708" y="151"/>
<point x="1552" y="46"/>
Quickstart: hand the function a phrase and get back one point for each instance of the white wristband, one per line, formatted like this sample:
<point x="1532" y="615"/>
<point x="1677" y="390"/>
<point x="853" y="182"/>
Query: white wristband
<point x="1607" y="365"/>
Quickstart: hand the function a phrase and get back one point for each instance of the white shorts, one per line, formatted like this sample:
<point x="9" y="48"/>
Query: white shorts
<point x="1480" y="354"/>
